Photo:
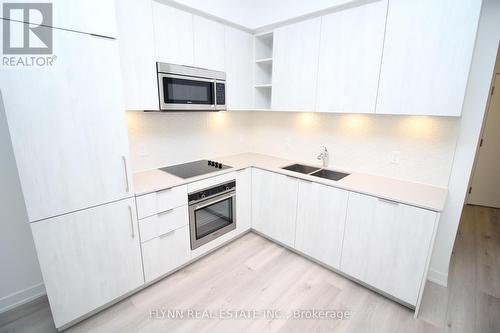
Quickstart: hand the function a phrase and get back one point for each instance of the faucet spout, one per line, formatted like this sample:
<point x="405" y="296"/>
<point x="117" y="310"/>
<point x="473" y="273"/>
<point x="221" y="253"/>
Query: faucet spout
<point x="324" y="157"/>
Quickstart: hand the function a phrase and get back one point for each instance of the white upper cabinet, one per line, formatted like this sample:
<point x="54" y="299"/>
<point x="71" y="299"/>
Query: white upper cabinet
<point x="321" y="212"/>
<point x="89" y="258"/>
<point x="137" y="54"/>
<point x="349" y="58"/>
<point x="209" y="41"/>
<point x="427" y="54"/>
<point x="387" y="245"/>
<point x="274" y="205"/>
<point x="239" y="64"/>
<point x="68" y="127"/>
<point x="89" y="16"/>
<point x="295" y="66"/>
<point x="173" y="35"/>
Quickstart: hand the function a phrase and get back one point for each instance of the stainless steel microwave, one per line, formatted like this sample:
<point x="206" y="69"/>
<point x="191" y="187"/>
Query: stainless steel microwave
<point x="185" y="88"/>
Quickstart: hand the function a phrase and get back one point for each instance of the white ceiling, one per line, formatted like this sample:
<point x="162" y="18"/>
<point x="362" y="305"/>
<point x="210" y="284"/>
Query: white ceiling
<point x="255" y="14"/>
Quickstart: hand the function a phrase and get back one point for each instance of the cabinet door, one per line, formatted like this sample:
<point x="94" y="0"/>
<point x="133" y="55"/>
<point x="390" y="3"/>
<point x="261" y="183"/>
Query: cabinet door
<point x="166" y="253"/>
<point x="349" y="58"/>
<point x="427" y="54"/>
<point x="137" y="54"/>
<point x="295" y="66"/>
<point x="209" y="41"/>
<point x="239" y="64"/>
<point x="173" y="35"/>
<point x="68" y="128"/>
<point x="274" y="205"/>
<point x="243" y="200"/>
<point x="88" y="258"/>
<point x="321" y="212"/>
<point x="387" y="245"/>
<point x="89" y="16"/>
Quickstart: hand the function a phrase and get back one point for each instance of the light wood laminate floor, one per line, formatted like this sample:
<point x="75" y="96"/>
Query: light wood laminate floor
<point x="254" y="273"/>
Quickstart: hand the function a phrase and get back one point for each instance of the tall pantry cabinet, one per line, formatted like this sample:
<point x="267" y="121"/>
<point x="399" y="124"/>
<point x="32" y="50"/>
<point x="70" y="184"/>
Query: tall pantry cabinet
<point x="69" y="137"/>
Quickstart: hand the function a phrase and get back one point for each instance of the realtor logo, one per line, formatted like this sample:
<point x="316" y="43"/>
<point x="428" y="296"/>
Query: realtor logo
<point x="27" y="38"/>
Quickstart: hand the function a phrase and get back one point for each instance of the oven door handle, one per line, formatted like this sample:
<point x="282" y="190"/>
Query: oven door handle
<point x="214" y="200"/>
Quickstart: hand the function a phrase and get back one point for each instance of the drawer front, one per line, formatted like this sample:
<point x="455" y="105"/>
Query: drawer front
<point x="165" y="253"/>
<point x="164" y="222"/>
<point x="161" y="201"/>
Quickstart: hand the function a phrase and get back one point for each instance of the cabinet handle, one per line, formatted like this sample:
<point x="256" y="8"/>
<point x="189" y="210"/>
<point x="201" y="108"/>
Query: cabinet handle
<point x="127" y="188"/>
<point x="389" y="201"/>
<point x="165" y="211"/>
<point x="131" y="221"/>
<point x="165" y="235"/>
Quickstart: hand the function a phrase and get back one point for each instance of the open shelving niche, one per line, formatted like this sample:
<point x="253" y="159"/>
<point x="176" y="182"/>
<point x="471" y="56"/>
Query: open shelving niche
<point x="263" y="70"/>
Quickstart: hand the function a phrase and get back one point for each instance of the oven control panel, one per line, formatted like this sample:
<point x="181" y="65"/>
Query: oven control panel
<point x="212" y="191"/>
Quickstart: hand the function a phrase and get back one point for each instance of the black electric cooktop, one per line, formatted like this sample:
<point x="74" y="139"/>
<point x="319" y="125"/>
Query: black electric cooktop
<point x="193" y="169"/>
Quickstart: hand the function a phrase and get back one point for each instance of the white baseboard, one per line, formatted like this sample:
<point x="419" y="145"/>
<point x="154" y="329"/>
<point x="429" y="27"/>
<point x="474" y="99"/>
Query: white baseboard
<point x="21" y="297"/>
<point x="437" y="277"/>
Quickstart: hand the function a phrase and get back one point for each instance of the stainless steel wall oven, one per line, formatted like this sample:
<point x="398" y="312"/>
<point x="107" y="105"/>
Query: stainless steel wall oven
<point x="212" y="213"/>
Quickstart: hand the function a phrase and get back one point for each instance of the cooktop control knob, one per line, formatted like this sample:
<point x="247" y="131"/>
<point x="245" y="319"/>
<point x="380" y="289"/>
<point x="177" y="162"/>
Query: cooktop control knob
<point x="220" y="165"/>
<point x="216" y="164"/>
<point x="209" y="162"/>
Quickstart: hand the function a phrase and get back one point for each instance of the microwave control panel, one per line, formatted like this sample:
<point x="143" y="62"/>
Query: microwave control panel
<point x="220" y="89"/>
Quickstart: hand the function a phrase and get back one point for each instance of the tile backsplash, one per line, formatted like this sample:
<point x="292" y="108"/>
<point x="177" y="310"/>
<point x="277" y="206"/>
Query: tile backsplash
<point x="414" y="148"/>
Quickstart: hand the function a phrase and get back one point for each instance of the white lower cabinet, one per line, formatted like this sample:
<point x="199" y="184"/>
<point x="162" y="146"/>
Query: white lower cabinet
<point x="165" y="253"/>
<point x="88" y="258"/>
<point x="243" y="200"/>
<point x="321" y="212"/>
<point x="274" y="205"/>
<point x="387" y="245"/>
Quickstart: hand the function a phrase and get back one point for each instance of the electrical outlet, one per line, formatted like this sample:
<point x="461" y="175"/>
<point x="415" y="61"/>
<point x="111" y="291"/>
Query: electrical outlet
<point x="143" y="150"/>
<point x="395" y="157"/>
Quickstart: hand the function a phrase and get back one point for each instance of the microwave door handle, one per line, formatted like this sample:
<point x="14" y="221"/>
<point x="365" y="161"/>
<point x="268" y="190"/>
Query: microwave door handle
<point x="214" y="82"/>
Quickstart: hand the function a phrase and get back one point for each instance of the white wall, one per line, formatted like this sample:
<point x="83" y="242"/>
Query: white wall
<point x="21" y="279"/>
<point x="362" y="143"/>
<point x="254" y="14"/>
<point x="476" y="97"/>
<point x="159" y="139"/>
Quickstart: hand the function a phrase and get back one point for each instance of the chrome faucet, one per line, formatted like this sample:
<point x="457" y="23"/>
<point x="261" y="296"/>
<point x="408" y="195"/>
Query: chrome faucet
<point x="324" y="157"/>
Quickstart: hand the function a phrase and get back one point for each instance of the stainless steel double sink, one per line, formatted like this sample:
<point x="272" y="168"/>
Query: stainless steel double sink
<point x="316" y="172"/>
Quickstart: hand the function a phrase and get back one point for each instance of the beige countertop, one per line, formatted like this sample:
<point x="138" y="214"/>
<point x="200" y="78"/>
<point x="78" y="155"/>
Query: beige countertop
<point x="415" y="194"/>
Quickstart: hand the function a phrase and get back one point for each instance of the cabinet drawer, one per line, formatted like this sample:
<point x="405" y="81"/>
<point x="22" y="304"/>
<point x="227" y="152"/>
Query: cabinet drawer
<point x="164" y="222"/>
<point x="165" y="253"/>
<point x="161" y="201"/>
